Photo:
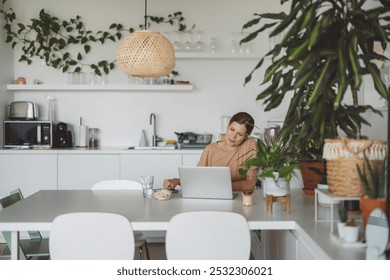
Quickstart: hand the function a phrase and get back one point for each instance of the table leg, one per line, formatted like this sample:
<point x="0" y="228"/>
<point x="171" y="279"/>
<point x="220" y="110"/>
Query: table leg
<point x="14" y="245"/>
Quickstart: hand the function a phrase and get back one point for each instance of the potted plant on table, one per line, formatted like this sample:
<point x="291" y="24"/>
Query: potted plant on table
<point x="275" y="162"/>
<point x="373" y="177"/>
<point x="325" y="50"/>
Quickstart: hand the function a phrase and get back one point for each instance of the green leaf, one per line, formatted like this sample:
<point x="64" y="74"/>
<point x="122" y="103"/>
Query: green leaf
<point x="319" y="85"/>
<point x="378" y="83"/>
<point x="87" y="48"/>
<point x="354" y="61"/>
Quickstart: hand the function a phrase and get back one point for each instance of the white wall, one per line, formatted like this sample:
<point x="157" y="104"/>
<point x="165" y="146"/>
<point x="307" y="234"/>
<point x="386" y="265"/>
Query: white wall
<point x="6" y="75"/>
<point x="121" y="116"/>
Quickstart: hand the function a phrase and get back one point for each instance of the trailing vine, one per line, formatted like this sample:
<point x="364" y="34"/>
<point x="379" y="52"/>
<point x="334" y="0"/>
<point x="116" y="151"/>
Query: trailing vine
<point x="64" y="44"/>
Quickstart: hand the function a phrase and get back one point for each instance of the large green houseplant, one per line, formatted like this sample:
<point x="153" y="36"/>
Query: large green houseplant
<point x="327" y="47"/>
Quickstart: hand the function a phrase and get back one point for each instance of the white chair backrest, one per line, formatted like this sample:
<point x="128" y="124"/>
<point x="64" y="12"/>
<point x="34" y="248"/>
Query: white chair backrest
<point x="208" y="235"/>
<point x="91" y="236"/>
<point x="117" y="185"/>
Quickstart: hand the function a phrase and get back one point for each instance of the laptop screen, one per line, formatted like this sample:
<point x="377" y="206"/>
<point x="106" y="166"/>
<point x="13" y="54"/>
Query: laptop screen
<point x="205" y="182"/>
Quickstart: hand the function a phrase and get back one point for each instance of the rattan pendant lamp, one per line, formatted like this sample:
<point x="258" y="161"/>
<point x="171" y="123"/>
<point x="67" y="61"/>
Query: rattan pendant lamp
<point x="146" y="54"/>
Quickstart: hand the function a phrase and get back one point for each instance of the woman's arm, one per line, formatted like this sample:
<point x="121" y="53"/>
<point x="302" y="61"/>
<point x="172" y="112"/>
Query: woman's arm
<point x="170" y="184"/>
<point x="246" y="185"/>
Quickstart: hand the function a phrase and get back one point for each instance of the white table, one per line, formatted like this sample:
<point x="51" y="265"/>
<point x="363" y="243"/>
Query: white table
<point x="37" y="212"/>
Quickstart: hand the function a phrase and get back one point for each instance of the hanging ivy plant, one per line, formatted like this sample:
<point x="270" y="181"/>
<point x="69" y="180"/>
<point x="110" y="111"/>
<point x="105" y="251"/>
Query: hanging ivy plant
<point x="65" y="44"/>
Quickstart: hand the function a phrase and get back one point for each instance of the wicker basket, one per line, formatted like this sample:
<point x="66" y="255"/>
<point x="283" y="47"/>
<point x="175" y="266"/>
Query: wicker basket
<point x="342" y="157"/>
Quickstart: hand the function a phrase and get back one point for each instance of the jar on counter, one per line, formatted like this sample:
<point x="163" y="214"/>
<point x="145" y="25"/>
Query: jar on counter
<point x="93" y="142"/>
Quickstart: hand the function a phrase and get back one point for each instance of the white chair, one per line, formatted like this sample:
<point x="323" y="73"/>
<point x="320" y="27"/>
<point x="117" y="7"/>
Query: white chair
<point x="84" y="236"/>
<point x="140" y="241"/>
<point x="208" y="235"/>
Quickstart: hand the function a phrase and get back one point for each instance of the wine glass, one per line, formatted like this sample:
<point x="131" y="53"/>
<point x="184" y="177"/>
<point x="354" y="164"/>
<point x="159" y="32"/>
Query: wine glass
<point x="199" y="45"/>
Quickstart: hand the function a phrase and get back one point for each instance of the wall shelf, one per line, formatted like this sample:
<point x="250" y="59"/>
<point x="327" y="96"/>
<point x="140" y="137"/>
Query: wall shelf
<point x="47" y="87"/>
<point x="217" y="55"/>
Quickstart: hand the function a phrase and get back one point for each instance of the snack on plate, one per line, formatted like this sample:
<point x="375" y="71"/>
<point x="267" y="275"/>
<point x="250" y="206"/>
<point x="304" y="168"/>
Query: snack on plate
<point x="162" y="194"/>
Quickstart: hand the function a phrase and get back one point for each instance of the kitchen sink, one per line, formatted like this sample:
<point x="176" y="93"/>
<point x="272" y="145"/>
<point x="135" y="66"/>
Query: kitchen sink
<point x="151" y="148"/>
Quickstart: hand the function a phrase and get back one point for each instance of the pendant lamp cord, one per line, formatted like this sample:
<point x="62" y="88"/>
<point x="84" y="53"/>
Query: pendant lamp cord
<point x="146" y="14"/>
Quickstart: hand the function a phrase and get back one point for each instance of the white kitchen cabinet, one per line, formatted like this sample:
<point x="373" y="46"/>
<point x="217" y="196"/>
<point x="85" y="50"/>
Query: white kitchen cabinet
<point x="283" y="245"/>
<point x="30" y="173"/>
<point x="82" y="171"/>
<point x="190" y="160"/>
<point x="287" y="245"/>
<point x="303" y="253"/>
<point x="162" y="167"/>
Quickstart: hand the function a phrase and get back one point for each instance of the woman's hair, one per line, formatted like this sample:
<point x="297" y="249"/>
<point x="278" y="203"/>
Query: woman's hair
<point x="245" y="119"/>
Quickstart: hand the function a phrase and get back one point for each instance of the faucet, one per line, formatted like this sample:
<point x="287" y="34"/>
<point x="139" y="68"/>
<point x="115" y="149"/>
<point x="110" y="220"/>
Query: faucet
<point x="155" y="138"/>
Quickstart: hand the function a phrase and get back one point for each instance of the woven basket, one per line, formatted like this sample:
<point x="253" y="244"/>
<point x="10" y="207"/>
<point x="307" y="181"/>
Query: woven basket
<point x="342" y="157"/>
<point x="146" y="54"/>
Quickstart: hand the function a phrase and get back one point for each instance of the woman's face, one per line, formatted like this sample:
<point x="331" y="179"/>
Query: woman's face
<point x="235" y="134"/>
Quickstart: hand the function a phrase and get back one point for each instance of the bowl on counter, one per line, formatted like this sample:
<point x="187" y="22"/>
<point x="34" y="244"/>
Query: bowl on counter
<point x="162" y="194"/>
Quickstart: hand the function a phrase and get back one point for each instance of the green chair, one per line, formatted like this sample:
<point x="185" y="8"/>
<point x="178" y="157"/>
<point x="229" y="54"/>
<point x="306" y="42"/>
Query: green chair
<point x="35" y="247"/>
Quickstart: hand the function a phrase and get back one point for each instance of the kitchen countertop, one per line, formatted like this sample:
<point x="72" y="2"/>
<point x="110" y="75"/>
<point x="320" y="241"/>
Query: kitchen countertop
<point x="103" y="150"/>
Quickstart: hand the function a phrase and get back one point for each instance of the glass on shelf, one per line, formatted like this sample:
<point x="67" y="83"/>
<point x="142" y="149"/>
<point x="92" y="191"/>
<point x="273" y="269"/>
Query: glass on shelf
<point x="213" y="46"/>
<point x="76" y="78"/>
<point x="199" y="44"/>
<point x="187" y="38"/>
<point x="177" y="45"/>
<point x="237" y="47"/>
<point x="235" y="44"/>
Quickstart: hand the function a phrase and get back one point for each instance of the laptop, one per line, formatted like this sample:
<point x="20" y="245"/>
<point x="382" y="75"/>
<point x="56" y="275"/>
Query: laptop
<point x="206" y="182"/>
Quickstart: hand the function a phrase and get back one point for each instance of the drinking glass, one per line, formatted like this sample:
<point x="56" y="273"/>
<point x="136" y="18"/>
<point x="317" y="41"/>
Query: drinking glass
<point x="213" y="45"/>
<point x="199" y="45"/>
<point x="177" y="45"/>
<point x="235" y="45"/>
<point x="147" y="185"/>
<point x="188" y="47"/>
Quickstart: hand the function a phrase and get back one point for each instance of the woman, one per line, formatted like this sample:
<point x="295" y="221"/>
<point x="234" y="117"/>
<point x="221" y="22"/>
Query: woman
<point x="235" y="148"/>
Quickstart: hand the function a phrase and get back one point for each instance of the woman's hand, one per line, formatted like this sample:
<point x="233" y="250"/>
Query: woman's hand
<point x="170" y="184"/>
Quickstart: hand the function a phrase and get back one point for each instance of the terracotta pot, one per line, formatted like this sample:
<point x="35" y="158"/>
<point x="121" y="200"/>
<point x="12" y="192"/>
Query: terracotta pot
<point x="310" y="178"/>
<point x="367" y="205"/>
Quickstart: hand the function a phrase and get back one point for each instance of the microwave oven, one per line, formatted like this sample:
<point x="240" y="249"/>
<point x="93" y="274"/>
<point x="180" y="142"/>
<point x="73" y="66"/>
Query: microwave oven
<point x="28" y="134"/>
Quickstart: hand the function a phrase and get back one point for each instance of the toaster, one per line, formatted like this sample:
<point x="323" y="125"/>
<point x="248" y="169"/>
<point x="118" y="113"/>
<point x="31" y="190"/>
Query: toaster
<point x="22" y="110"/>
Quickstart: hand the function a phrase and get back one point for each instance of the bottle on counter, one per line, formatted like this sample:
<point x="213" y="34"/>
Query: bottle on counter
<point x="143" y="142"/>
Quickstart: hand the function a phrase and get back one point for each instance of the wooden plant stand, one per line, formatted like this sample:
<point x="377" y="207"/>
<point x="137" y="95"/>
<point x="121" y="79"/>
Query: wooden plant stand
<point x="269" y="199"/>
